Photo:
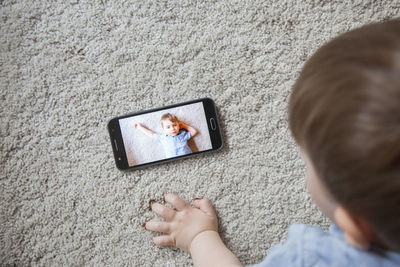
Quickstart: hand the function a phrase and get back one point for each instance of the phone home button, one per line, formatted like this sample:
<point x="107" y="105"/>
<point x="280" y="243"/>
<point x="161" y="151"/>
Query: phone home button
<point x="213" y="124"/>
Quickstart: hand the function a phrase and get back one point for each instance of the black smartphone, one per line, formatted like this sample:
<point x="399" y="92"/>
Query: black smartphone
<point x="164" y="134"/>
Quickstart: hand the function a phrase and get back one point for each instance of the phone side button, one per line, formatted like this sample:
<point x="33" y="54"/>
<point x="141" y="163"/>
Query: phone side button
<point x="213" y="124"/>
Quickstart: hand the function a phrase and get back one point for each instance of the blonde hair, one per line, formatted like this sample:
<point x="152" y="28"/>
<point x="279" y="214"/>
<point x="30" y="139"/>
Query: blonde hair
<point x="168" y="117"/>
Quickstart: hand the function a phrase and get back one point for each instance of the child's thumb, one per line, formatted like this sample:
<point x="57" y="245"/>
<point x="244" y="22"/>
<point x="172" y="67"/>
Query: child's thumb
<point x="205" y="206"/>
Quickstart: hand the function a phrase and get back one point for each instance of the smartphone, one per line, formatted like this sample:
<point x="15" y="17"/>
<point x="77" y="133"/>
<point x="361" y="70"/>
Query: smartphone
<point x="165" y="134"/>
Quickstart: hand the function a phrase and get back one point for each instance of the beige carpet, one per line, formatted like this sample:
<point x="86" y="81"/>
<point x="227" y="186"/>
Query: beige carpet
<point x="69" y="66"/>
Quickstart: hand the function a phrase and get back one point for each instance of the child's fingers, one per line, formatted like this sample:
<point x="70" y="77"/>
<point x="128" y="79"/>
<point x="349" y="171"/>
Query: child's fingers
<point x="164" y="240"/>
<point x="176" y="201"/>
<point x="205" y="205"/>
<point x="163" y="211"/>
<point x="161" y="227"/>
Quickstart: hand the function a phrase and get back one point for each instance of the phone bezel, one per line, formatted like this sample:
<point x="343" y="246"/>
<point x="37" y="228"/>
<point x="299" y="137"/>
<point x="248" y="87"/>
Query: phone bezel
<point x="119" y="148"/>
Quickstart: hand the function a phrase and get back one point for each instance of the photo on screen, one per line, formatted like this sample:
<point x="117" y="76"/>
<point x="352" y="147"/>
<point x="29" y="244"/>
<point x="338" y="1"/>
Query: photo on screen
<point x="141" y="149"/>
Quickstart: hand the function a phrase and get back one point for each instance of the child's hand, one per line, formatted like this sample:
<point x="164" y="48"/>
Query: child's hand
<point x="183" y="224"/>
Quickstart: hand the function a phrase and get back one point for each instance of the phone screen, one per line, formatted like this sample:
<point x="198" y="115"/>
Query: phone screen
<point x="165" y="133"/>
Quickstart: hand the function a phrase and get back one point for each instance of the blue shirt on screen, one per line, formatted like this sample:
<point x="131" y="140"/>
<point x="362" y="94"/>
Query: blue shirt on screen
<point x="175" y="145"/>
<point x="311" y="246"/>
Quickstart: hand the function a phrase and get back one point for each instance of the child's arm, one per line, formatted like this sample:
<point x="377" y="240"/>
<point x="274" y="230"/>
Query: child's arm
<point x="144" y="130"/>
<point x="188" y="128"/>
<point x="207" y="249"/>
<point x="193" y="229"/>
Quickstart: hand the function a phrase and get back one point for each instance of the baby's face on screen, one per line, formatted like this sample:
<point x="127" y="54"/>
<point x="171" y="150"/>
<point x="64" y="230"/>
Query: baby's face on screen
<point x="170" y="127"/>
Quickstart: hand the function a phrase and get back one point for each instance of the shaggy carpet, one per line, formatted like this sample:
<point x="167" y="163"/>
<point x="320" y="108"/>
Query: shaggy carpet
<point x="69" y="66"/>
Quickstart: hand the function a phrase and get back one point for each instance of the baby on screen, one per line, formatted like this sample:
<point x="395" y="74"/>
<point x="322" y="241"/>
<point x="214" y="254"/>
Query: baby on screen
<point x="175" y="135"/>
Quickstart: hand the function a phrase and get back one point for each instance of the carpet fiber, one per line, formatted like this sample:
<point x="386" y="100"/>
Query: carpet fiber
<point x="67" y="67"/>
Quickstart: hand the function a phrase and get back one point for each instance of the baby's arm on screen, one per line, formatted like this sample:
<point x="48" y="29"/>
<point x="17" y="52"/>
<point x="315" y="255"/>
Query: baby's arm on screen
<point x="145" y="130"/>
<point x="188" y="128"/>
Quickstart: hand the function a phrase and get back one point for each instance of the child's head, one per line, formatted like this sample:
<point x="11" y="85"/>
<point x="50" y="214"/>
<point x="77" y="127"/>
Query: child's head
<point x="344" y="113"/>
<point x="170" y="124"/>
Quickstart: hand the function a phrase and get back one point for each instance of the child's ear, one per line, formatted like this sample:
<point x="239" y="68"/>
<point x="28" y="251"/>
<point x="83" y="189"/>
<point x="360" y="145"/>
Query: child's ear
<point x="357" y="231"/>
